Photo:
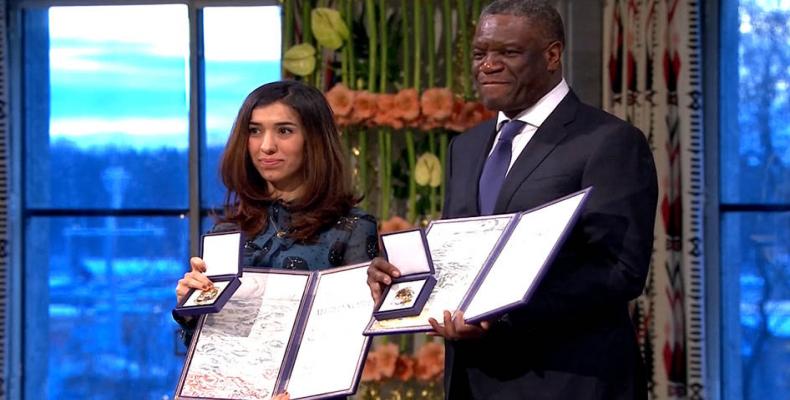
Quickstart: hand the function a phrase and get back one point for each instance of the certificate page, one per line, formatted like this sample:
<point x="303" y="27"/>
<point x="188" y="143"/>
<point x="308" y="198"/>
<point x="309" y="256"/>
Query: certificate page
<point x="459" y="249"/>
<point x="516" y="270"/>
<point x="240" y="350"/>
<point x="333" y="346"/>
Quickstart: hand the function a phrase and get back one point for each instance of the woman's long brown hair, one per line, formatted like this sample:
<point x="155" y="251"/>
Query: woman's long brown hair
<point x="328" y="192"/>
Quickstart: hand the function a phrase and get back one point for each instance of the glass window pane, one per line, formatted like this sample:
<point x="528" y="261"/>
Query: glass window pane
<point x="110" y="127"/>
<point x="242" y="51"/>
<point x="98" y="297"/>
<point x="755" y="138"/>
<point x="756" y="252"/>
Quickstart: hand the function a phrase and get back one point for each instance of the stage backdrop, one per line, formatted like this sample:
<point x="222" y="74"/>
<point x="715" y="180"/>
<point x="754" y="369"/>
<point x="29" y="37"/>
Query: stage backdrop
<point x="652" y="78"/>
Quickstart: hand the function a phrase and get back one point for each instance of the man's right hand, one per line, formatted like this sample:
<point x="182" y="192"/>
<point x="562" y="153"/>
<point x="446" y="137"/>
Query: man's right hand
<point x="194" y="279"/>
<point x="380" y="274"/>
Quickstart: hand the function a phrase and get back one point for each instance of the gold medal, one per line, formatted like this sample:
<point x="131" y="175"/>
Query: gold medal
<point x="206" y="296"/>
<point x="404" y="296"/>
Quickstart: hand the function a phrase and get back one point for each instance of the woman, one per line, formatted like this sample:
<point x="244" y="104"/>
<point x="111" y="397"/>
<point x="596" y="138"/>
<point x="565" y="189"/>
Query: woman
<point x="288" y="189"/>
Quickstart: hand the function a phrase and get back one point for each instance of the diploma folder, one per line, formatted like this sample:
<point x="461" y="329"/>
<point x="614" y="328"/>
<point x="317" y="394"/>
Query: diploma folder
<point x="486" y="266"/>
<point x="282" y="330"/>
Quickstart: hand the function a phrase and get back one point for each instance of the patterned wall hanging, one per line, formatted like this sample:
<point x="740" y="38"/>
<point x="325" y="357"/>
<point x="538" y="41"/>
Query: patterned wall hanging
<point x="652" y="78"/>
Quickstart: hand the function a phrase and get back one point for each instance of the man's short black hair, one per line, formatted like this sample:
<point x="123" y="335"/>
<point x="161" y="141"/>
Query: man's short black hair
<point x="541" y="12"/>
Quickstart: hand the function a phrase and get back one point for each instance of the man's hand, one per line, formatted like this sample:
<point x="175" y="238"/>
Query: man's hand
<point x="457" y="329"/>
<point x="380" y="274"/>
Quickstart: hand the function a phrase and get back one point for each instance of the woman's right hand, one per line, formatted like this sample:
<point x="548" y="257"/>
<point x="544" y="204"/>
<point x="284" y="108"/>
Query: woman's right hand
<point x="194" y="279"/>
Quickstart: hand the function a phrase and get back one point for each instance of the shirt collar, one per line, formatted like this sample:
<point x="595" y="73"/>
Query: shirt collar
<point x="541" y="110"/>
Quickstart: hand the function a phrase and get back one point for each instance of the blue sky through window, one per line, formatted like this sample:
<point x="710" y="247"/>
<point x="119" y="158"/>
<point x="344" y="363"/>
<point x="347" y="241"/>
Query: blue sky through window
<point x="137" y="97"/>
<point x="119" y="76"/>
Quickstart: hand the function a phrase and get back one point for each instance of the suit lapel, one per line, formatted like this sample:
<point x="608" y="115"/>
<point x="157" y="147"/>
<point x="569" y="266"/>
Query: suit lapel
<point x="546" y="138"/>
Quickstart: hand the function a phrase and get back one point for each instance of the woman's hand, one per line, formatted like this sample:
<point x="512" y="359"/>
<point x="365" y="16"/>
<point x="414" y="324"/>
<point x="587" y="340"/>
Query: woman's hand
<point x="194" y="279"/>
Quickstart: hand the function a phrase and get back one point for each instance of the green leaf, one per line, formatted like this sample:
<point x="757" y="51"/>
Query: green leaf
<point x="328" y="27"/>
<point x="300" y="59"/>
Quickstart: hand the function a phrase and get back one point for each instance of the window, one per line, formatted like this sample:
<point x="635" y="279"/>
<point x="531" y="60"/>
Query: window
<point x="107" y="94"/>
<point x="754" y="183"/>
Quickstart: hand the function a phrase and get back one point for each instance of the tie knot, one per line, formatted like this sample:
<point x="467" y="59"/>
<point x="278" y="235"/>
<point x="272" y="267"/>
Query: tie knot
<point x="510" y="129"/>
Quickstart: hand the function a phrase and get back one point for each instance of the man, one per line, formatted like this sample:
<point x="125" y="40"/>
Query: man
<point x="574" y="339"/>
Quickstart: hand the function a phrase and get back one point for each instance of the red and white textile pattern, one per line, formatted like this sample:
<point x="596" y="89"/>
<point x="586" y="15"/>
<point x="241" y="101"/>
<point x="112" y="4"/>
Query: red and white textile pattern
<point x="652" y="78"/>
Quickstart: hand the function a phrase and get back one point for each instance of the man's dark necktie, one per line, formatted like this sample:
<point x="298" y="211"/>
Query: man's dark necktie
<point x="496" y="166"/>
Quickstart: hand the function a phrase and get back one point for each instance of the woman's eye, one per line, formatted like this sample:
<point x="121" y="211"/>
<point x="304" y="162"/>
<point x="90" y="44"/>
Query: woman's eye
<point x="284" y="131"/>
<point x="253" y="130"/>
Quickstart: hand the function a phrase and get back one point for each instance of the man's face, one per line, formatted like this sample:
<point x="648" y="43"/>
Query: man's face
<point x="513" y="64"/>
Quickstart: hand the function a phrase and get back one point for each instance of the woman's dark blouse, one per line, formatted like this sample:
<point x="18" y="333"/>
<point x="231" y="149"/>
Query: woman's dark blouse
<point x="352" y="239"/>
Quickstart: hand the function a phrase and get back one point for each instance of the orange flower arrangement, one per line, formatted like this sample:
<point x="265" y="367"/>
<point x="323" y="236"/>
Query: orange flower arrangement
<point x="395" y="224"/>
<point x="435" y="108"/>
<point x="385" y="362"/>
<point x="437" y="103"/>
<point x="365" y="106"/>
<point x="430" y="361"/>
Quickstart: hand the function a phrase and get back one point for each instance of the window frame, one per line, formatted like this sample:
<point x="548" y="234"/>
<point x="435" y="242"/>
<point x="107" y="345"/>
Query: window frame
<point x="14" y="378"/>
<point x="714" y="310"/>
<point x="724" y="372"/>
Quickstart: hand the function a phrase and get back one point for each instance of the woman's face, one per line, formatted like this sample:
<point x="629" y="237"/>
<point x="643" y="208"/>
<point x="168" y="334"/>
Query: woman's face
<point x="276" y="142"/>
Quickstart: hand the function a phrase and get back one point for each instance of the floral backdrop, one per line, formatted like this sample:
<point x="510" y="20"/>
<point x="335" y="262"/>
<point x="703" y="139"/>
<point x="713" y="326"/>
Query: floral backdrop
<point x="398" y="78"/>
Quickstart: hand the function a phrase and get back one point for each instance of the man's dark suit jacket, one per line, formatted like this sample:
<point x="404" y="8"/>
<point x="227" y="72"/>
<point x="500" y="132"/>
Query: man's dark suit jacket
<point x="574" y="339"/>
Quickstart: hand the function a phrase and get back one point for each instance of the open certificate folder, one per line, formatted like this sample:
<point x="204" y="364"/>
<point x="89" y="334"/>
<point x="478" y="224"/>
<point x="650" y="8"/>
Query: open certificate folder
<point x="488" y="265"/>
<point x="282" y="330"/>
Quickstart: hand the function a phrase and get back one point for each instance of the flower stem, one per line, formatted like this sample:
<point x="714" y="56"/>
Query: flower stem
<point x="384" y="42"/>
<point x="352" y="69"/>
<point x="288" y="30"/>
<point x="412" y="204"/>
<point x="385" y="192"/>
<point x="370" y="13"/>
<point x="382" y="170"/>
<point x="388" y="165"/>
<point x="432" y="193"/>
<point x="431" y="46"/>
<point x="417" y="43"/>
<point x="443" y="143"/>
<point x="385" y="172"/>
<point x="466" y="65"/>
<point x="448" y="44"/>
<point x="362" y="165"/>
<point x="404" y="22"/>
<point x="307" y="37"/>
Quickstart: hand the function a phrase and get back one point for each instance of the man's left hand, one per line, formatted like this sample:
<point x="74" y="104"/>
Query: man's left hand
<point x="457" y="329"/>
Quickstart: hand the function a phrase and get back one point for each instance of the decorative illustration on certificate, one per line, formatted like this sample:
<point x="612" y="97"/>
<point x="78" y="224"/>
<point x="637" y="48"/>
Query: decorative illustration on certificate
<point x="238" y="352"/>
